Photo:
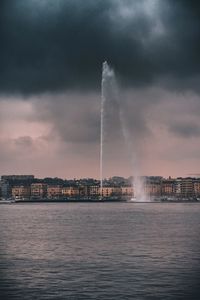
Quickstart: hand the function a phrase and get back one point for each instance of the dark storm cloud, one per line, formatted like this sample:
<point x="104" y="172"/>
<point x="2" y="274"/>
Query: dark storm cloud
<point x="185" y="129"/>
<point x="68" y="118"/>
<point x="54" y="45"/>
<point x="24" y="141"/>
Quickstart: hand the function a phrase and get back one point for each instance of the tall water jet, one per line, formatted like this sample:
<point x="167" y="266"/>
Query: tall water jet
<point x="102" y="127"/>
<point x="110" y="95"/>
<point x="107" y="77"/>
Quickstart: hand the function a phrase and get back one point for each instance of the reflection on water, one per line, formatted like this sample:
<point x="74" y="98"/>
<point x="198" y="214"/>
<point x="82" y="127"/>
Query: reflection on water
<point x="99" y="251"/>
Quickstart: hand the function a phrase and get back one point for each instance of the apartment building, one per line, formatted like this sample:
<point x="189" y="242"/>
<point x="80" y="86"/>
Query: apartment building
<point x="70" y="191"/>
<point x="110" y="191"/>
<point x="197" y="187"/>
<point x="38" y="190"/>
<point x="54" y="191"/>
<point x="21" y="192"/>
<point x="127" y="191"/>
<point x="94" y="191"/>
<point x="187" y="187"/>
<point x="168" y="187"/>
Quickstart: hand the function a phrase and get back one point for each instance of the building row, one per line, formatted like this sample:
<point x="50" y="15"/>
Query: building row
<point x="152" y="186"/>
<point x="43" y="191"/>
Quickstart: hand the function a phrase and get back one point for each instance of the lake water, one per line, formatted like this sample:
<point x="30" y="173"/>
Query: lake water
<point x="100" y="251"/>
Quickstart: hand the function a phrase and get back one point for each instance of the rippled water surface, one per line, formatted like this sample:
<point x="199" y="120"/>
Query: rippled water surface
<point x="100" y="251"/>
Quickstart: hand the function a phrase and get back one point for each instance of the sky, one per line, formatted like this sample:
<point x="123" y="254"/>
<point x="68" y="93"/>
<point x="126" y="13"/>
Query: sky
<point x="51" y="55"/>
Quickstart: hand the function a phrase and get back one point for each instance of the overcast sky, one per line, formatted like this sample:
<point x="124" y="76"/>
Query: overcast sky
<point x="51" y="55"/>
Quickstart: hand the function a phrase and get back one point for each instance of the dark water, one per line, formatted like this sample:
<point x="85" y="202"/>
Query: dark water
<point x="100" y="251"/>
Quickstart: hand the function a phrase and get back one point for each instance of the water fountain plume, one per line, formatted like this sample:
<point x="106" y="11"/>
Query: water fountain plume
<point x="109" y="86"/>
<point x="102" y="125"/>
<point x="106" y="83"/>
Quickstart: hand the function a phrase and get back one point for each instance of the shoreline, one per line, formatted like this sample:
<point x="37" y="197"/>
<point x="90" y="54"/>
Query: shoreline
<point x="96" y="201"/>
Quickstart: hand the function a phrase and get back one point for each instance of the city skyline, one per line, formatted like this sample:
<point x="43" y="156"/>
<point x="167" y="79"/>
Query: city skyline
<point x="50" y="87"/>
<point x="28" y="188"/>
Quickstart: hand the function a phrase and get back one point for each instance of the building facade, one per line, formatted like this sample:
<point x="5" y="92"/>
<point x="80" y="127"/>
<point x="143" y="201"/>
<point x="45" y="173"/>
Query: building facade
<point x="6" y="190"/>
<point x="110" y="191"/>
<point x="153" y="189"/>
<point x="94" y="191"/>
<point x="197" y="187"/>
<point x="21" y="192"/>
<point x="127" y="191"/>
<point x="168" y="187"/>
<point x="70" y="191"/>
<point x="187" y="187"/>
<point x="38" y="190"/>
<point x="54" y="191"/>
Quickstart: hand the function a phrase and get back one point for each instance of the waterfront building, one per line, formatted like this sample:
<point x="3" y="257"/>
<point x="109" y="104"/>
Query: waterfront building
<point x="187" y="187"/>
<point x="38" y="190"/>
<point x="184" y="187"/>
<point x="5" y="189"/>
<point x="127" y="191"/>
<point x="168" y="187"/>
<point x="152" y="186"/>
<point x="153" y="189"/>
<point x="21" y="192"/>
<point x="15" y="180"/>
<point x="83" y="191"/>
<point x="110" y="191"/>
<point x="177" y="187"/>
<point x="70" y="191"/>
<point x="197" y="187"/>
<point x="94" y="191"/>
<point x="54" y="191"/>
